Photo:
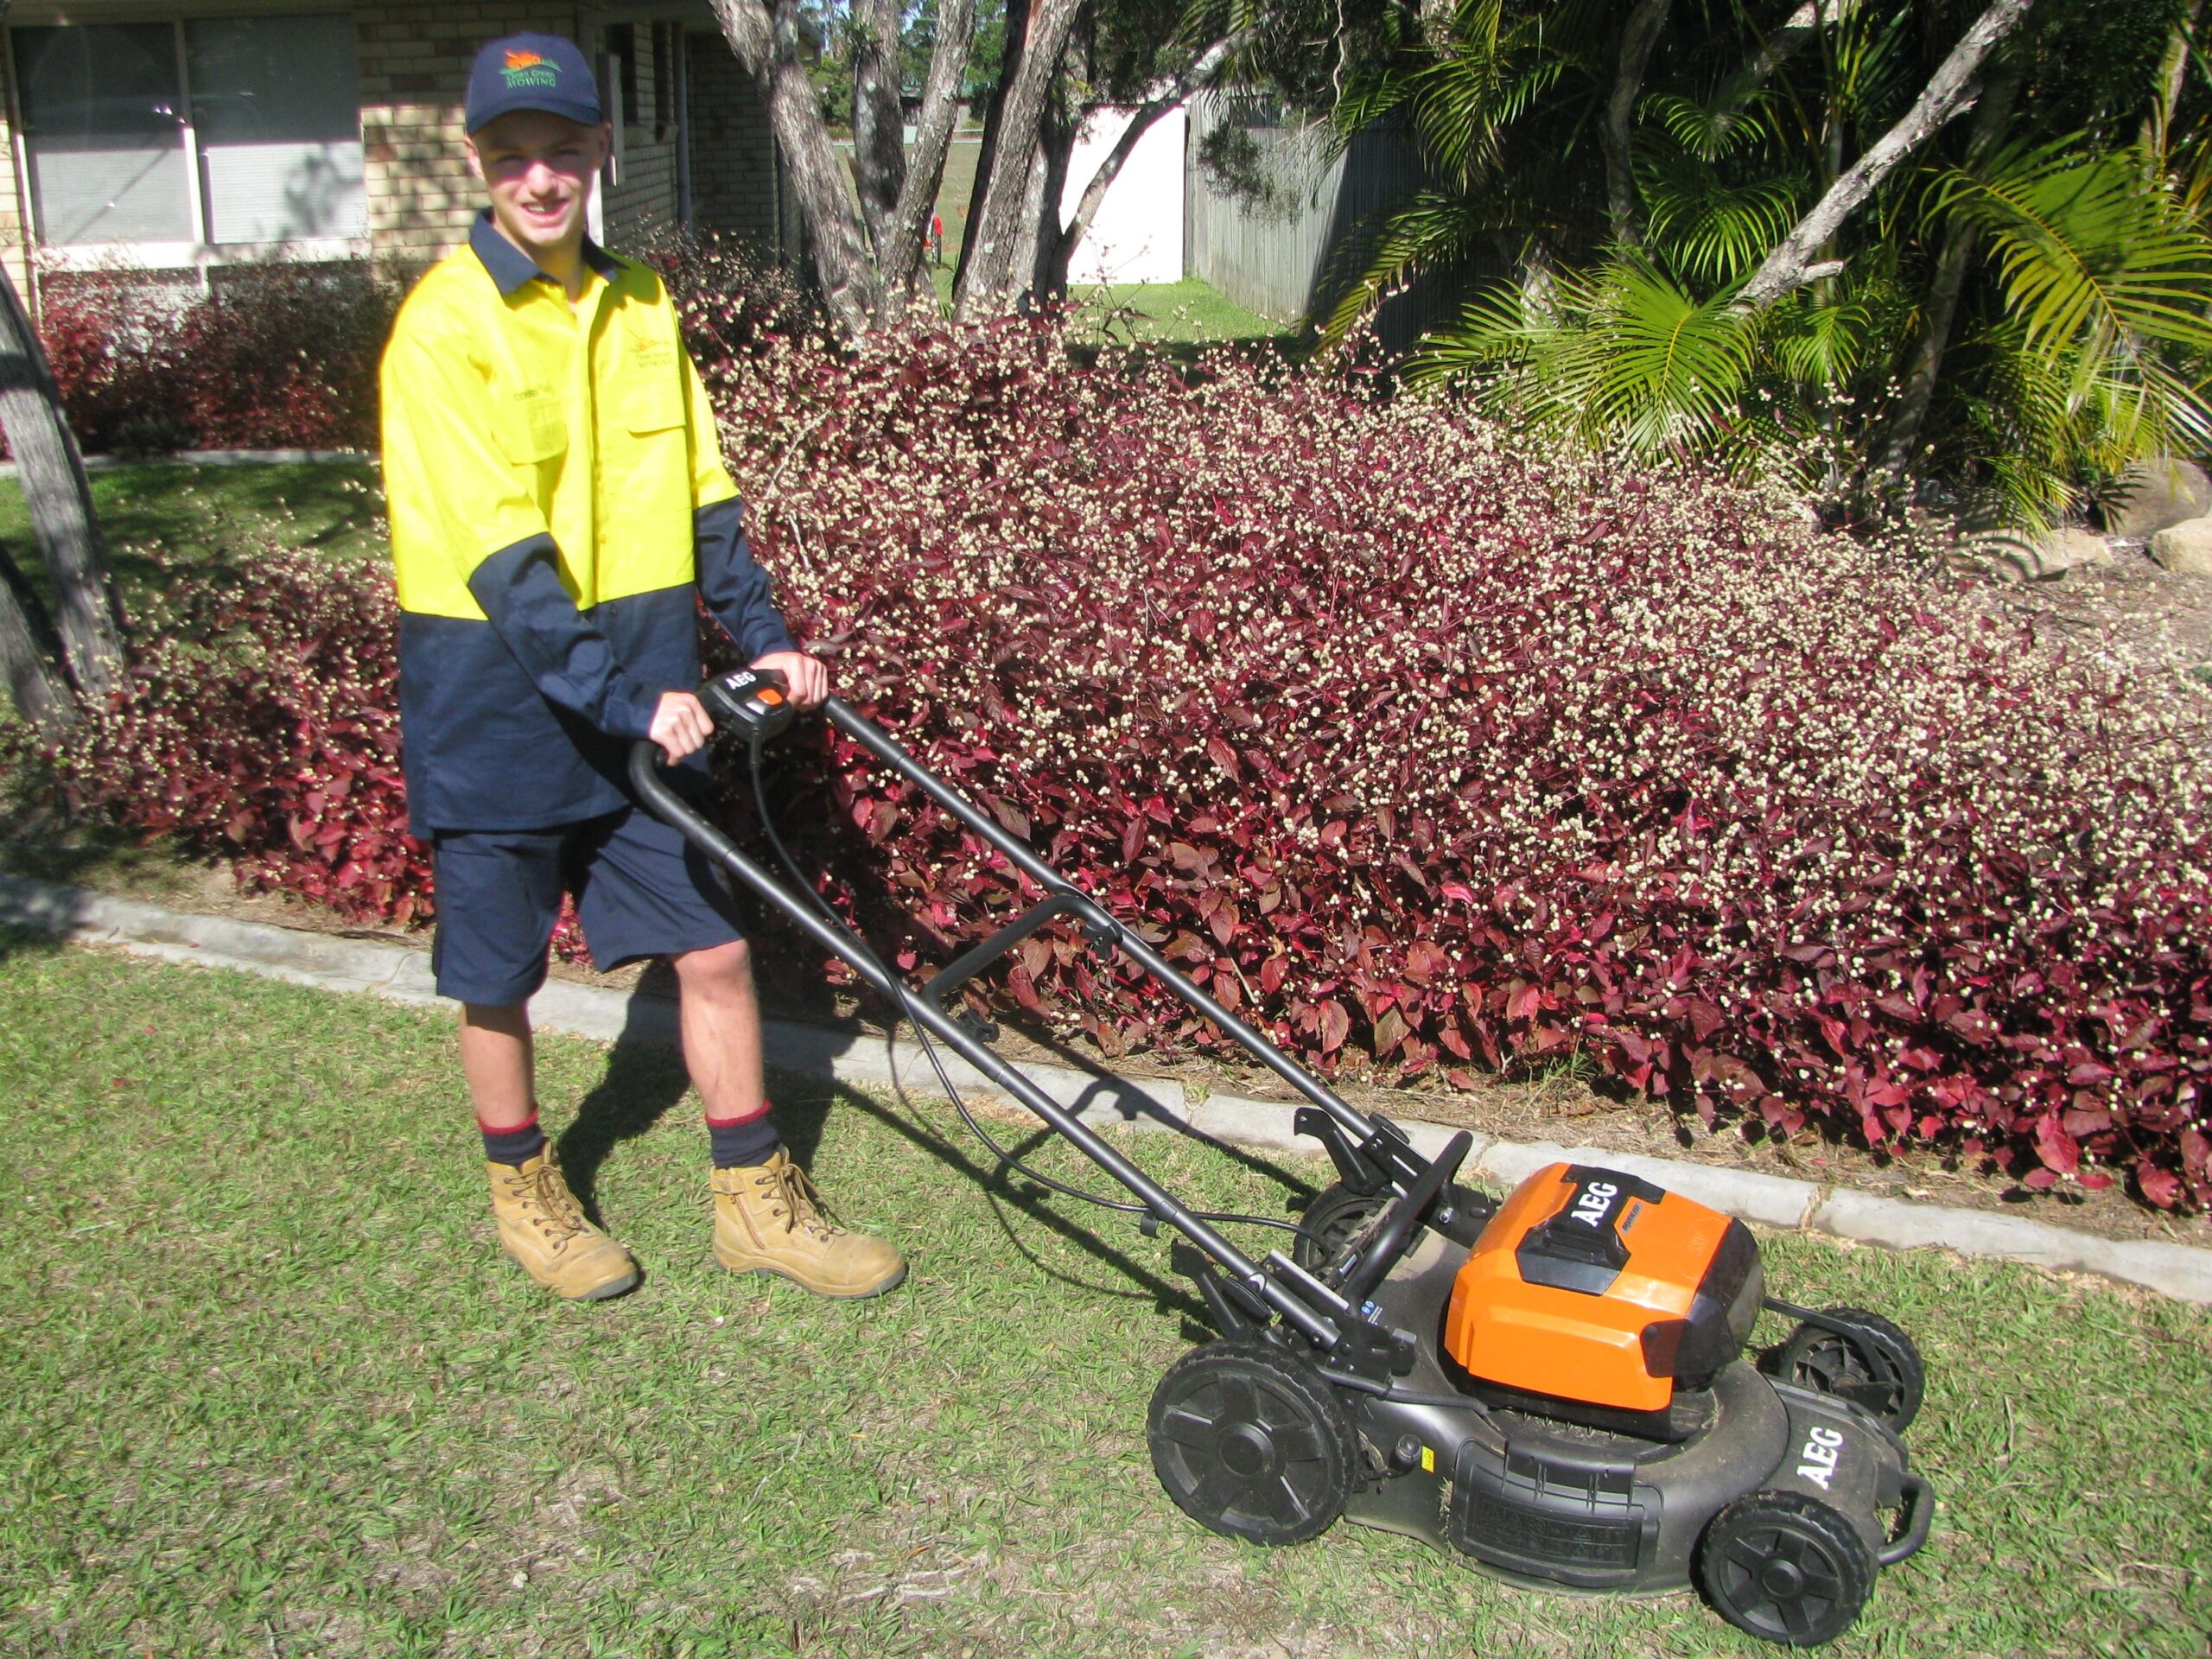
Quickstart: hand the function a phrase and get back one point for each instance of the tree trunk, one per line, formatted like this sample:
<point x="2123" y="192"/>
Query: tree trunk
<point x="1638" y="36"/>
<point x="1056" y="140"/>
<point x="88" y="617"/>
<point x="766" y="43"/>
<point x="1015" y="21"/>
<point x="899" y="250"/>
<point x="996" y="229"/>
<point x="1801" y="26"/>
<point x="1947" y="93"/>
<point x="41" y="697"/>
<point x="1902" y="440"/>
<point x="878" y="124"/>
<point x="1160" y="97"/>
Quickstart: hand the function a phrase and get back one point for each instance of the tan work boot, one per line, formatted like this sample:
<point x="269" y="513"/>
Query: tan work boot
<point x="768" y="1219"/>
<point x="542" y="1227"/>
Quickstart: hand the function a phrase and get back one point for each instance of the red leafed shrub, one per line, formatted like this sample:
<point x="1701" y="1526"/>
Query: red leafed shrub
<point x="1415" y="745"/>
<point x="270" y="356"/>
<point x="1412" y="743"/>
<point x="263" y="725"/>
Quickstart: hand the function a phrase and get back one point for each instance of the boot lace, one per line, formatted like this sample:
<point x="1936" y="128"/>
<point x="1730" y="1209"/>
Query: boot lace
<point x="792" y="1196"/>
<point x="553" y="1209"/>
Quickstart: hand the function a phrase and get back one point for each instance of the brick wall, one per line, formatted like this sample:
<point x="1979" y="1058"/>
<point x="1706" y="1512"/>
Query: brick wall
<point x="414" y="61"/>
<point x="15" y="210"/>
<point x="646" y="198"/>
<point x="734" y="187"/>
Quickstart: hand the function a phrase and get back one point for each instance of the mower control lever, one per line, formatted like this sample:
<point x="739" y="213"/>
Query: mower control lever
<point x="754" y="702"/>
<point x="1399" y="1222"/>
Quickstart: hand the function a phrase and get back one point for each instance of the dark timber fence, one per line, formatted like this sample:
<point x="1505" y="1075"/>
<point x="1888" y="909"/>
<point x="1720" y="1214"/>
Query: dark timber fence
<point x="1275" y="214"/>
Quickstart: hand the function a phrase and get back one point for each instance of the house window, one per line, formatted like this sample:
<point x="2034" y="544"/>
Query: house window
<point x="104" y="122"/>
<point x="210" y="132"/>
<point x="668" y="41"/>
<point x="622" y="49"/>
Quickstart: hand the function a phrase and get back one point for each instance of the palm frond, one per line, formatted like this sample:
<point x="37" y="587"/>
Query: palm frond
<point x="1825" y="342"/>
<point x="2088" y="251"/>
<point x="1619" y="357"/>
<point x="1711" y="133"/>
<point x="1490" y="68"/>
<point x="1434" y="229"/>
<point x="1711" y="230"/>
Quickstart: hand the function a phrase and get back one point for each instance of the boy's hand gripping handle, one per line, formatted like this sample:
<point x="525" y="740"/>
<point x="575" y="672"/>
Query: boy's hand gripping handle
<point x="754" y="702"/>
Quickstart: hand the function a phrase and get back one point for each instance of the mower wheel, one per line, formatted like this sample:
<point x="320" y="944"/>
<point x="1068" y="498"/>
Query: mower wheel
<point x="1785" y="1568"/>
<point x="1337" y="1216"/>
<point x="1875" y="1365"/>
<point x="1250" y="1442"/>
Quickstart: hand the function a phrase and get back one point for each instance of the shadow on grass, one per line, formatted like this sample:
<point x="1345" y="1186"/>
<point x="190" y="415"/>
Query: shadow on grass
<point x="646" y="1077"/>
<point x="1005" y="1187"/>
<point x="26" y="941"/>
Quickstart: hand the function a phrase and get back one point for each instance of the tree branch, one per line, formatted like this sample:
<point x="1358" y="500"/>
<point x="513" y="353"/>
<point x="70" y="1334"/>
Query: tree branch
<point x="996" y="225"/>
<point x="60" y="500"/>
<point x="1950" y="92"/>
<point x="1901" y="441"/>
<point x="1163" y="95"/>
<point x="879" y="135"/>
<point x="1799" y="27"/>
<point x="26" y="632"/>
<point x="899" y="251"/>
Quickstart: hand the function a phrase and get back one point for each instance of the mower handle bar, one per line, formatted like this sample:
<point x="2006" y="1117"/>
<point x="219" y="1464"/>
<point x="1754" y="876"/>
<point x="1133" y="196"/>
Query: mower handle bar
<point x="1064" y="898"/>
<point x="1320" y="1327"/>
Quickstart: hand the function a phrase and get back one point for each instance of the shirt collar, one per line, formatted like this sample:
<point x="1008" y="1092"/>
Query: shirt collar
<point x="509" y="267"/>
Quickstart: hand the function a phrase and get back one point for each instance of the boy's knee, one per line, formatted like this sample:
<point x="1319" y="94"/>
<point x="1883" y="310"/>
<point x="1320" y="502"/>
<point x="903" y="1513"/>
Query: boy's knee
<point x="718" y="967"/>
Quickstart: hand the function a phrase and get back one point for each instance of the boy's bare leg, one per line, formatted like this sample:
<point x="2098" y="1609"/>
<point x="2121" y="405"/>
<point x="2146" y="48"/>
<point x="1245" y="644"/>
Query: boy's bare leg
<point x="719" y="1014"/>
<point x="497" y="1060"/>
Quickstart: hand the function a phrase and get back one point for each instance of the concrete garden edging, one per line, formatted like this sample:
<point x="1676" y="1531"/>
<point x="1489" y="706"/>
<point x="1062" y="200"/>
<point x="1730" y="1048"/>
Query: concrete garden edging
<point x="402" y="973"/>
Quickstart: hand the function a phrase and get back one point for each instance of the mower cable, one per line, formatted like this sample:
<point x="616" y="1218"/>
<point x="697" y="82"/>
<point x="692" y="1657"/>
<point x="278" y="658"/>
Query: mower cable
<point x="904" y="1001"/>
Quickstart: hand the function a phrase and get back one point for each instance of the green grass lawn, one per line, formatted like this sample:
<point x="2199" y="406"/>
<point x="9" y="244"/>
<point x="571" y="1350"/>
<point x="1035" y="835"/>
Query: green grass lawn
<point x="271" y="1390"/>
<point x="197" y="512"/>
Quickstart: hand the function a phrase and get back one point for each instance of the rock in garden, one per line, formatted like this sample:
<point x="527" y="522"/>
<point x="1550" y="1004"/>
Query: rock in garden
<point x="2158" y="492"/>
<point x="2185" y="548"/>
<point x="2019" y="556"/>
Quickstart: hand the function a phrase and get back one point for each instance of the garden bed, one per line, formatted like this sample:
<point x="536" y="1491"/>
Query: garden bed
<point x="1564" y="1103"/>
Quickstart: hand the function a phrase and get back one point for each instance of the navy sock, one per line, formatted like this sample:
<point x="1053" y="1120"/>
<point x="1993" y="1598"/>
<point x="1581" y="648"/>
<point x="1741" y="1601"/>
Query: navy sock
<point x="739" y="1141"/>
<point x="516" y="1146"/>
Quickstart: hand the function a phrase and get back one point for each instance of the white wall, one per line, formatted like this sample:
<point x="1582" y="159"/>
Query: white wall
<point x="1138" y="234"/>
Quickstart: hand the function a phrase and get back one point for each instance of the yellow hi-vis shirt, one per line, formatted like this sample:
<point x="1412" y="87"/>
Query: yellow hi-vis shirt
<point x="557" y="499"/>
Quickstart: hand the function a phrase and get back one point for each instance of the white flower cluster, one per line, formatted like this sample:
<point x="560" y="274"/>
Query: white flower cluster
<point x="1357" y="636"/>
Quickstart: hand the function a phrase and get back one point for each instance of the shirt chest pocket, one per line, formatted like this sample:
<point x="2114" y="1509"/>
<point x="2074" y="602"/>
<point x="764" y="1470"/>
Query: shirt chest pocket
<point x="653" y="403"/>
<point x="533" y="426"/>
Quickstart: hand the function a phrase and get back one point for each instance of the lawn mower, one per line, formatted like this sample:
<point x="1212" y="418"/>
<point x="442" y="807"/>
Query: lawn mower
<point x="1554" y="1385"/>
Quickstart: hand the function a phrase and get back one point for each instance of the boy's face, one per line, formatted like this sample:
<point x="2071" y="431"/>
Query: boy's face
<point x="539" y="169"/>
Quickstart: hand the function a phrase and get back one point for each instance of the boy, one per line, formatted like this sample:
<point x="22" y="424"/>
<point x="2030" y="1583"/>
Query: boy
<point x="557" y="499"/>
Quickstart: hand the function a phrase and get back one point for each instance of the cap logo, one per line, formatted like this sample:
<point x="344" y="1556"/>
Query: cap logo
<point x="529" y="69"/>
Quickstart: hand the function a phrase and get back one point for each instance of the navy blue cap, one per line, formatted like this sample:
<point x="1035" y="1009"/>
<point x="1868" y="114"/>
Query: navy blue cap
<point x="531" y="72"/>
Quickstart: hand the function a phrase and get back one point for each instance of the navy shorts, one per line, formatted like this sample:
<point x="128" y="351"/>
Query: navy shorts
<point x="641" y="890"/>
